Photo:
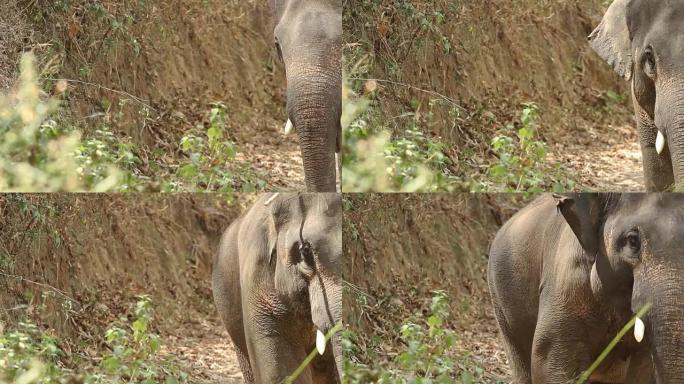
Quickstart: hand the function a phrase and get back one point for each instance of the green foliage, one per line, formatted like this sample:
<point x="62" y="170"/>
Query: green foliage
<point x="100" y="151"/>
<point x="376" y="161"/>
<point x="28" y="356"/>
<point x="430" y="354"/>
<point x="35" y="155"/>
<point x="521" y="165"/>
<point x="31" y="356"/>
<point x="207" y="153"/>
<point x="41" y="151"/>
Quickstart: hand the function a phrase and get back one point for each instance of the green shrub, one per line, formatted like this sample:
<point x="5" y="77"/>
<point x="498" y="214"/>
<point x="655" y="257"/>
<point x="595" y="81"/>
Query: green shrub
<point x="42" y="151"/>
<point x="374" y="160"/>
<point x="207" y="153"/>
<point x="28" y="356"/>
<point x="36" y="154"/>
<point x="31" y="356"/>
<point x="429" y="354"/>
<point x="521" y="160"/>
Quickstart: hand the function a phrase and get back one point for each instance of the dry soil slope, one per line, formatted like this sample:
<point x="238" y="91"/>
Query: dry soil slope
<point x="103" y="250"/>
<point x="400" y="248"/>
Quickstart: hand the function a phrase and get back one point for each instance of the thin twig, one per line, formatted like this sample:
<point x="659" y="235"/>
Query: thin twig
<point x="443" y="97"/>
<point x="358" y="290"/>
<point x="133" y="97"/>
<point x="23" y="279"/>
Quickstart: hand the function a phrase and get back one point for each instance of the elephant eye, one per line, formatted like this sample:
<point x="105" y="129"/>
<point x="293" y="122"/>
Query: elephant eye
<point x="649" y="62"/>
<point x="633" y="241"/>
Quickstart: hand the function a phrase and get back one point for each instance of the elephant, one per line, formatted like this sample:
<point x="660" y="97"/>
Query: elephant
<point x="308" y="39"/>
<point x="276" y="283"/>
<point x="643" y="40"/>
<point x="566" y="273"/>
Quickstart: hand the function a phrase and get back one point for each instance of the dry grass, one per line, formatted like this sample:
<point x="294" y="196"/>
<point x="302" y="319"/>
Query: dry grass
<point x="14" y="35"/>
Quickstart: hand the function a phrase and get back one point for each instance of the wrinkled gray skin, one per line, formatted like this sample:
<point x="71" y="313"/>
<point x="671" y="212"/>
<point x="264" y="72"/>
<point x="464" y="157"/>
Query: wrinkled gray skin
<point x="644" y="42"/>
<point x="270" y="298"/>
<point x="308" y="38"/>
<point x="566" y="273"/>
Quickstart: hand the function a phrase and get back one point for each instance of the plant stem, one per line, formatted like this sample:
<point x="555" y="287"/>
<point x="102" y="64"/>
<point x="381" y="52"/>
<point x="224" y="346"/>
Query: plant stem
<point x="587" y="374"/>
<point x="290" y="379"/>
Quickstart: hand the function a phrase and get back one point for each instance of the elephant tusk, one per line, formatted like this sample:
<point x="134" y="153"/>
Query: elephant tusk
<point x="320" y="342"/>
<point x="270" y="199"/>
<point x="288" y="127"/>
<point x="660" y="142"/>
<point x="639" y="328"/>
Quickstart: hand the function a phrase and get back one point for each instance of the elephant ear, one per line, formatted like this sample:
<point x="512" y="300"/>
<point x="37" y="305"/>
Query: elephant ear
<point x="583" y="213"/>
<point x="275" y="223"/>
<point x="611" y="39"/>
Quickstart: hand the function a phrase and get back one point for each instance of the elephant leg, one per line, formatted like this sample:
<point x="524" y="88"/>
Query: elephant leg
<point x="559" y="351"/>
<point x="228" y="297"/>
<point x="658" y="173"/>
<point x="273" y="339"/>
<point x="641" y="368"/>
<point x="245" y="368"/>
<point x="557" y="362"/>
<point x="517" y="343"/>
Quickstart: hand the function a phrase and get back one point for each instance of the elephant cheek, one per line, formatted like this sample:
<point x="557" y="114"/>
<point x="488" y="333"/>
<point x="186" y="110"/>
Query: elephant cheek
<point x="675" y="142"/>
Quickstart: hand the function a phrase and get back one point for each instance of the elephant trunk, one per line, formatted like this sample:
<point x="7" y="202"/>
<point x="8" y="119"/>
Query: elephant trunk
<point x="314" y="95"/>
<point x="325" y="296"/>
<point x="337" y="350"/>
<point x="670" y="122"/>
<point x="665" y="321"/>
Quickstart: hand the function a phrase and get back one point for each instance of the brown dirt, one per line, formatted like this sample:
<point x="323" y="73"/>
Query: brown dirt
<point x="203" y="349"/>
<point x="103" y="250"/>
<point x="604" y="159"/>
<point x="400" y="248"/>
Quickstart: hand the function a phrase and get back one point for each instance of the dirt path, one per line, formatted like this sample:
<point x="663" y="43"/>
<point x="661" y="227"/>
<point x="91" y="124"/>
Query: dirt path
<point x="604" y="159"/>
<point x="280" y="163"/>
<point x="481" y="341"/>
<point x="271" y="154"/>
<point x="204" y="351"/>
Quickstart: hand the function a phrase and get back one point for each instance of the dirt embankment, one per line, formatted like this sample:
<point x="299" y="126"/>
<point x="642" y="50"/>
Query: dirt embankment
<point x="480" y="61"/>
<point x="92" y="254"/>
<point x="400" y="248"/>
<point x="151" y="71"/>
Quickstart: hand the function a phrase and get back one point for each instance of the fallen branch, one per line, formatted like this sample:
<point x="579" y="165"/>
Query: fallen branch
<point x="48" y="286"/>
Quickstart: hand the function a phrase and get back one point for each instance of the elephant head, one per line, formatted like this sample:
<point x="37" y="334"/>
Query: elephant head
<point x="637" y="244"/>
<point x="308" y="38"/>
<point x="306" y="233"/>
<point x="644" y="42"/>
